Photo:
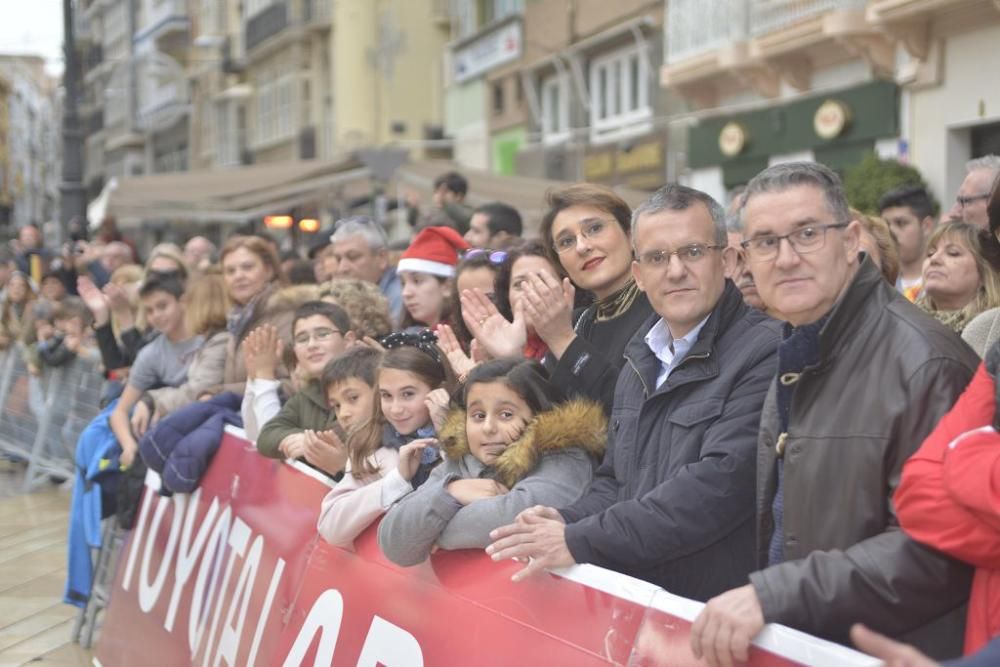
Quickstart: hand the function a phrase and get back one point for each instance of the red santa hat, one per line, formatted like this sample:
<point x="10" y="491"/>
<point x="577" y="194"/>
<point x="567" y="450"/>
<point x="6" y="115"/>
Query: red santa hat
<point x="434" y="251"/>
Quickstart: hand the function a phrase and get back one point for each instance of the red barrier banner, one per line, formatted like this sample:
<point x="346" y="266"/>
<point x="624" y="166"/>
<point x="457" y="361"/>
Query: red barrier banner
<point x="235" y="574"/>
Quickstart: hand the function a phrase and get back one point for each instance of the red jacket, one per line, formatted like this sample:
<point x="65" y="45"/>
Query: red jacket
<point x="949" y="499"/>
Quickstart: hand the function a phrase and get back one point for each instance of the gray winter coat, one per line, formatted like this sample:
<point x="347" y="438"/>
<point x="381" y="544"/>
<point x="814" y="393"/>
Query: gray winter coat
<point x="550" y="464"/>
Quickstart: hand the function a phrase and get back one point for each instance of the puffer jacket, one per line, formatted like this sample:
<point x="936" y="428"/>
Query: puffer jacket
<point x="181" y="446"/>
<point x="551" y="463"/>
<point x="673" y="501"/>
<point x="887" y="374"/>
<point x="949" y="499"/>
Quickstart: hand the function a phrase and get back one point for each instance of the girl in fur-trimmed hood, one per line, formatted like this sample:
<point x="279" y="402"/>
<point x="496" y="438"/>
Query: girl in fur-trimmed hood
<point x="510" y="445"/>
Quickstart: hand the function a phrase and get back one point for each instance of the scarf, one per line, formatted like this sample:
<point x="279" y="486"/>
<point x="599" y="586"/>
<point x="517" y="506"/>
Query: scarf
<point x="239" y="317"/>
<point x="617" y="303"/>
<point x="953" y="319"/>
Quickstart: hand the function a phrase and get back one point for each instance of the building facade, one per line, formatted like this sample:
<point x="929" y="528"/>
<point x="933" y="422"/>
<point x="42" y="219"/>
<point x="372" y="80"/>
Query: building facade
<point x="29" y="150"/>
<point x="775" y="80"/>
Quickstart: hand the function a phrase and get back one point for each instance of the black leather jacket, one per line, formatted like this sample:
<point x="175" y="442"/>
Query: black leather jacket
<point x="887" y="374"/>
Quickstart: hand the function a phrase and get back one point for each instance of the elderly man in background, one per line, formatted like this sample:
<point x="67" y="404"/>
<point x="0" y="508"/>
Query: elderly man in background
<point x="980" y="178"/>
<point x="199" y="253"/>
<point x="360" y="250"/>
<point x="863" y="378"/>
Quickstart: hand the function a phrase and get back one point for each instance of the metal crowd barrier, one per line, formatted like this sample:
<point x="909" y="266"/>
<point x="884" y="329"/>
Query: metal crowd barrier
<point x="105" y="563"/>
<point x="41" y="416"/>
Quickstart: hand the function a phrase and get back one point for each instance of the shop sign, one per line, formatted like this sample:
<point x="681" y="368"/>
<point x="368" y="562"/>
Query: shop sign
<point x="732" y="139"/>
<point x="640" y="166"/>
<point x="831" y="119"/>
<point x="489" y="51"/>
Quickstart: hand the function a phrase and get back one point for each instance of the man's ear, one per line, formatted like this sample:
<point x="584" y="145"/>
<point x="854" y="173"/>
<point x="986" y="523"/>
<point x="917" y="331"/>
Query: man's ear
<point x="730" y="260"/>
<point x="928" y="224"/>
<point x="382" y="258"/>
<point x="637" y="275"/>
<point x="499" y="239"/>
<point x="350" y="339"/>
<point x="852" y="239"/>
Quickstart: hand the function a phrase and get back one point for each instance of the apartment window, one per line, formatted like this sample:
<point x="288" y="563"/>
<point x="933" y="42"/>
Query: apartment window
<point x="498" y="101"/>
<point x="209" y="18"/>
<point x="254" y="7"/>
<point x="555" y="109"/>
<point x="276" y="108"/>
<point x="619" y="95"/>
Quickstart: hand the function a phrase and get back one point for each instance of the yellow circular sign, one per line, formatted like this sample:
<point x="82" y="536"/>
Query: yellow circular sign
<point x="831" y="119"/>
<point x="732" y="139"/>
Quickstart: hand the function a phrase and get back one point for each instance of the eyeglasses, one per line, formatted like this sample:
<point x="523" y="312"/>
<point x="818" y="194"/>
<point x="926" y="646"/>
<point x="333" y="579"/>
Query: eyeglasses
<point x="803" y="241"/>
<point x="495" y="256"/>
<point x="319" y="335"/>
<point x="689" y="254"/>
<point x="590" y="230"/>
<point x="965" y="201"/>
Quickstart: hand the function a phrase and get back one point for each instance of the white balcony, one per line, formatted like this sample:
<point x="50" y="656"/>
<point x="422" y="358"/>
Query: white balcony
<point x="697" y="27"/>
<point x="768" y="16"/>
<point x="165" y="22"/>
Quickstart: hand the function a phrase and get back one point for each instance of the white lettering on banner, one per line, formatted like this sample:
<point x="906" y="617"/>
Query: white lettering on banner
<point x="326" y="615"/>
<point x="258" y="634"/>
<point x="201" y="602"/>
<point x="390" y="645"/>
<point x="229" y="642"/>
<point x="148" y="594"/>
<point x="239" y="536"/>
<point x="188" y="552"/>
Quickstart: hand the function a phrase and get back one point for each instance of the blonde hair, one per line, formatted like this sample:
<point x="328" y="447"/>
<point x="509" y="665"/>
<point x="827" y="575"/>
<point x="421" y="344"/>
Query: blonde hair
<point x="129" y="277"/>
<point x="985" y="252"/>
<point x="172" y="252"/>
<point x="364" y="302"/>
<point x="885" y="242"/>
<point x="206" y="303"/>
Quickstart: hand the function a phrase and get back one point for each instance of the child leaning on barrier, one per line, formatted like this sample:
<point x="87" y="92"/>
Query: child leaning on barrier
<point x="162" y="362"/>
<point x="509" y="446"/>
<point x="391" y="446"/>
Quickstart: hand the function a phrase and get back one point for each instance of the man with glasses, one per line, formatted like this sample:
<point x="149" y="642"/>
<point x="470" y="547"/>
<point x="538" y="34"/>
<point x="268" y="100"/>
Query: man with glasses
<point x="360" y="251"/>
<point x="673" y="501"/>
<point x="863" y="377"/>
<point x="974" y="193"/>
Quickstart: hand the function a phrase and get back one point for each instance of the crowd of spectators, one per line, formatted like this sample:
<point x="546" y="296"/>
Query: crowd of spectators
<point x="780" y="409"/>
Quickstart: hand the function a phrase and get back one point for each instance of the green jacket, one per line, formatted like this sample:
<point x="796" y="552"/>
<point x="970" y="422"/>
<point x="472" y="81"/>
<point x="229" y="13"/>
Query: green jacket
<point x="306" y="409"/>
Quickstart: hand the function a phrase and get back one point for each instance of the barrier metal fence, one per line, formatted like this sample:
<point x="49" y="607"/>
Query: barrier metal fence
<point x="42" y="415"/>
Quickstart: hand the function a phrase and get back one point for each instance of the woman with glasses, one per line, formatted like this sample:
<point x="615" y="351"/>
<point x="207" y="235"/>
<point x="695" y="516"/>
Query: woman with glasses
<point x="959" y="278"/>
<point x="586" y="237"/>
<point x="320" y="332"/>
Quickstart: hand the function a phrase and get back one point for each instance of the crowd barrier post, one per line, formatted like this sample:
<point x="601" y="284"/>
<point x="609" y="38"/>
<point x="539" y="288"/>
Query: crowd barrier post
<point x="105" y="561"/>
<point x="6" y="373"/>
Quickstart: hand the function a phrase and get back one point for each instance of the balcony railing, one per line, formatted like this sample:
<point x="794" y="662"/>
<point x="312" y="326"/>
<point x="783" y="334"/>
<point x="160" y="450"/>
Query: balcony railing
<point x="266" y="24"/>
<point x="695" y="27"/>
<point x="767" y="16"/>
<point x="164" y="17"/>
<point x="317" y="12"/>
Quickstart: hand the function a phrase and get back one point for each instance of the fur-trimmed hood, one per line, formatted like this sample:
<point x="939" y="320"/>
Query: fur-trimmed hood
<point x="576" y="423"/>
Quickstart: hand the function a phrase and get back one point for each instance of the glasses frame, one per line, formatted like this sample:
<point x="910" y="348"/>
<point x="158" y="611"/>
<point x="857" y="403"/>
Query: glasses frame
<point x="582" y="232"/>
<point x="965" y="201"/>
<point x="745" y="245"/>
<point x="677" y="253"/>
<point x="312" y="336"/>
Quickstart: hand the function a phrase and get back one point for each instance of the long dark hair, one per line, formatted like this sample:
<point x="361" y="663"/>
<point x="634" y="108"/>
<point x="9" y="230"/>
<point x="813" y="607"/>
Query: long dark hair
<point x="525" y="377"/>
<point x="407" y="321"/>
<point x="363" y="443"/>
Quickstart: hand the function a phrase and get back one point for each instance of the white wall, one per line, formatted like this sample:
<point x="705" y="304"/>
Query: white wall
<point x="941" y="117"/>
<point x="709" y="181"/>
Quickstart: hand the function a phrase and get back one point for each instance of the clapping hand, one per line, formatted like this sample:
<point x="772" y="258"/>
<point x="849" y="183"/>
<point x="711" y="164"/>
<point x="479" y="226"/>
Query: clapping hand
<point x="262" y="351"/>
<point x="548" y="305"/>
<point x="326" y="451"/>
<point x="94" y="299"/>
<point x="459" y="361"/>
<point x="497" y="336"/>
